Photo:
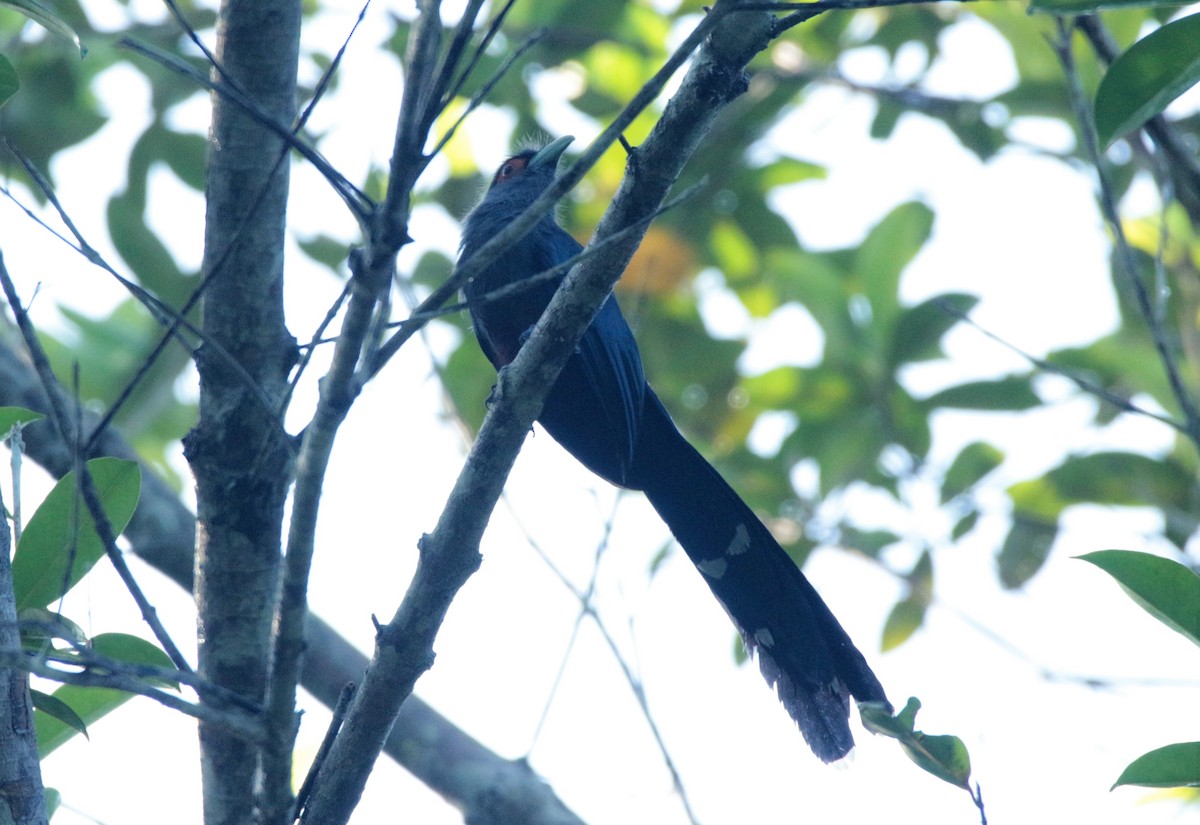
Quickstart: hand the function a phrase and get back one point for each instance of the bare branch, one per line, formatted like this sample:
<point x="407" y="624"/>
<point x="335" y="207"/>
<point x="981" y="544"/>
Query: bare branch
<point x="237" y="722"/>
<point x="20" y="768"/>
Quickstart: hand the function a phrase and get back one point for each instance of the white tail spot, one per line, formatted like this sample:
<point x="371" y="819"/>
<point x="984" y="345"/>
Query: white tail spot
<point x="740" y="543"/>
<point x="713" y="568"/>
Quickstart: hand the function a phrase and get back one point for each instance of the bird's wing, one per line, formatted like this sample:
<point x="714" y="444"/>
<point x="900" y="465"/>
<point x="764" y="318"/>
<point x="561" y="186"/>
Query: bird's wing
<point x="595" y="406"/>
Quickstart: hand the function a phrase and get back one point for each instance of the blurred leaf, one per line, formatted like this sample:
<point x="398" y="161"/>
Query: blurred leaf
<point x="330" y="252"/>
<point x="663" y="262"/>
<point x="12" y="416"/>
<point x="92" y="703"/>
<point x="469" y="378"/>
<point x="886" y="251"/>
<point x="41" y="627"/>
<point x="431" y="270"/>
<point x="1012" y="393"/>
<point x="740" y="654"/>
<point x="47" y="19"/>
<point x="964" y="525"/>
<point x="870" y="542"/>
<point x="10" y="82"/>
<point x="1143" y="80"/>
<point x="1128" y="479"/>
<point x="186" y="155"/>
<point x="971" y="464"/>
<point x="1167" y="590"/>
<point x="56" y="108"/>
<point x="785" y="171"/>
<point x="734" y="251"/>
<point x="57" y="709"/>
<point x="905" y="618"/>
<point x="53" y="801"/>
<point x="1171" y="766"/>
<point x="49" y="544"/>
<point x="1066" y="7"/>
<point x="919" y="329"/>
<point x="1025" y="550"/>
<point x="887" y="115"/>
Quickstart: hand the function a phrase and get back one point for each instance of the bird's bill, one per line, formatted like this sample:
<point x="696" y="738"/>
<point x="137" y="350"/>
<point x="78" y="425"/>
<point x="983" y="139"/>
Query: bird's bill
<point x="549" y="154"/>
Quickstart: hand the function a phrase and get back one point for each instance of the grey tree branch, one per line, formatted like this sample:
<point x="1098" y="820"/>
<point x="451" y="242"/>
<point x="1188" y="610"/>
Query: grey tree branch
<point x="22" y="801"/>
<point x="121" y="676"/>
<point x="241" y="460"/>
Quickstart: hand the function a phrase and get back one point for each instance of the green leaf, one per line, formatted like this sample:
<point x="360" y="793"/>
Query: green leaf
<point x="41" y="627"/>
<point x="326" y="250"/>
<point x="945" y="757"/>
<point x="964" y="525"/>
<point x="869" y="542"/>
<point x="1012" y="393"/>
<point x="888" y="248"/>
<point x="10" y="82"/>
<point x="92" y="703"/>
<point x="785" y="171"/>
<point x="1144" y="80"/>
<point x="971" y="464"/>
<point x="49" y="543"/>
<point x="50" y="21"/>
<point x="56" y="708"/>
<point x="905" y="618"/>
<point x="919" y="329"/>
<point x="11" y="416"/>
<point x="734" y="250"/>
<point x="1025" y="550"/>
<point x="1171" y="766"/>
<point x="53" y="800"/>
<point x="1167" y="590"/>
<point x="1128" y="479"/>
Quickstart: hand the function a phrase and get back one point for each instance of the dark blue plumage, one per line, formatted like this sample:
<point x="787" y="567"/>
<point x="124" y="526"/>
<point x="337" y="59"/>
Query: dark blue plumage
<point x="604" y="413"/>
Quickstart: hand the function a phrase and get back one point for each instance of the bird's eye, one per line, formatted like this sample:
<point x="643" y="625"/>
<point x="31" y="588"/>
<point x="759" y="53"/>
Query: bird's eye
<point x="510" y="169"/>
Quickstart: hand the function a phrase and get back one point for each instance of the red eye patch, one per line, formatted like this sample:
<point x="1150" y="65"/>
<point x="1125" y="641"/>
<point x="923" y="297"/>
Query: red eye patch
<point x="510" y="169"/>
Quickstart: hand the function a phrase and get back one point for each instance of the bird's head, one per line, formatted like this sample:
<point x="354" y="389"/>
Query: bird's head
<point x="517" y="183"/>
<point x="530" y="169"/>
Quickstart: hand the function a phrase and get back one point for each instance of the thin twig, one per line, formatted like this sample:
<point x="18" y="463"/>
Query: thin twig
<point x="1091" y="388"/>
<point x="237" y="722"/>
<point x="587" y="609"/>
<point x="356" y="200"/>
<point x="335" y="724"/>
<point x="486" y="89"/>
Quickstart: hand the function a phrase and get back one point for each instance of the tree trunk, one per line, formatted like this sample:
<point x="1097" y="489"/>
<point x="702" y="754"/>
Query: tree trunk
<point x="238" y="451"/>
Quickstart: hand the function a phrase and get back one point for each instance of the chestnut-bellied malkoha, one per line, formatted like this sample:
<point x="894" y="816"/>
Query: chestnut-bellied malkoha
<point x="604" y="413"/>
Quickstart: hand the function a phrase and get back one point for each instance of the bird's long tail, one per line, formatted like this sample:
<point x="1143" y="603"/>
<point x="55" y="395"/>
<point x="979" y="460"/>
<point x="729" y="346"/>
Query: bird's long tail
<point x="801" y="648"/>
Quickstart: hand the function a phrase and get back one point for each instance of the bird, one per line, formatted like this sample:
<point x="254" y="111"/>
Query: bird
<point x="603" y="411"/>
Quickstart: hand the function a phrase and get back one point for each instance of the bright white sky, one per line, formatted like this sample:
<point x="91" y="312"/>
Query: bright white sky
<point x="1021" y="231"/>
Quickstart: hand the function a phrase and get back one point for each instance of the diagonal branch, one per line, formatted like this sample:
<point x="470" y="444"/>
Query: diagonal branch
<point x="449" y="555"/>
